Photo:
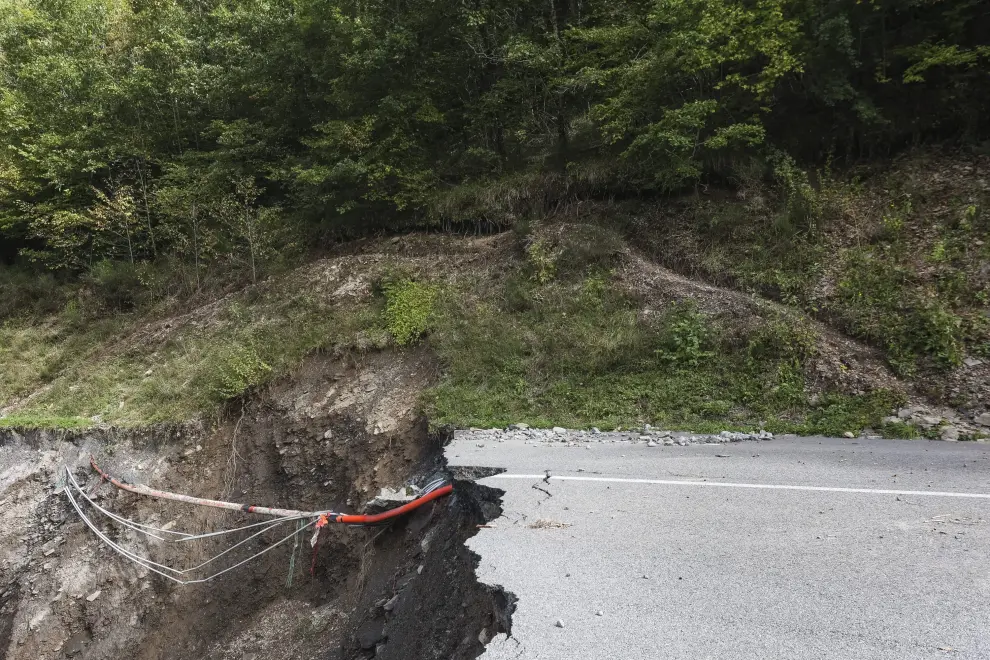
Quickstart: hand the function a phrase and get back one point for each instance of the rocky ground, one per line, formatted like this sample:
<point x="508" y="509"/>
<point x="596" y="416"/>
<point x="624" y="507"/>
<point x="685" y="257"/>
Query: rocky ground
<point x="950" y="428"/>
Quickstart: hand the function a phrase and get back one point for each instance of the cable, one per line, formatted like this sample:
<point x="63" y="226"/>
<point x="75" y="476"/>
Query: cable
<point x="432" y="491"/>
<point x="186" y="537"/>
<point x="268" y="525"/>
<point x="392" y="513"/>
<point x="150" y="565"/>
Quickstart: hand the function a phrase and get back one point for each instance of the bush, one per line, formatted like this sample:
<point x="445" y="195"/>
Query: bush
<point x="883" y="302"/>
<point x="685" y="336"/>
<point x="409" y="308"/>
<point x="542" y="260"/>
<point x="116" y="285"/>
<point x="27" y="292"/>
<point x="787" y="340"/>
<point x="234" y="368"/>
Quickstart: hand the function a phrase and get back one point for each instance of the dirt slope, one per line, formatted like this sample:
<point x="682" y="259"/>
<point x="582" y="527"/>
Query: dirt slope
<point x="330" y="435"/>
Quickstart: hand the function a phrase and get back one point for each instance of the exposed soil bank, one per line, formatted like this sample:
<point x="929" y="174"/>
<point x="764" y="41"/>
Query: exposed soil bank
<point x="329" y="437"/>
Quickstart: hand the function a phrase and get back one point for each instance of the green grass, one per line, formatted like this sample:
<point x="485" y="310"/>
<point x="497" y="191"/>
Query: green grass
<point x="44" y="422"/>
<point x="577" y="354"/>
<point x="255" y="337"/>
<point x="900" y="264"/>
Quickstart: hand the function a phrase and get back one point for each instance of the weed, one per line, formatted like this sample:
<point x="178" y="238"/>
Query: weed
<point x="542" y="259"/>
<point x="234" y="368"/>
<point x="881" y="301"/>
<point x="409" y="307"/>
<point x="579" y="355"/>
<point x="686" y="337"/>
<point x="44" y="422"/>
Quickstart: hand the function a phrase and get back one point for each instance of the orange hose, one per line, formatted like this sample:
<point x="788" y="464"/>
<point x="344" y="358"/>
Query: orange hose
<point x="393" y="513"/>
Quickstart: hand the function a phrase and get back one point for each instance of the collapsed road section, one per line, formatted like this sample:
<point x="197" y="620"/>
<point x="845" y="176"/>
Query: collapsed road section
<point x="402" y="590"/>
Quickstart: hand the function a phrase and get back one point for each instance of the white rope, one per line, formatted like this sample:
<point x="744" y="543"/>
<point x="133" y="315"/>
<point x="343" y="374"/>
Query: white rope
<point x="151" y="565"/>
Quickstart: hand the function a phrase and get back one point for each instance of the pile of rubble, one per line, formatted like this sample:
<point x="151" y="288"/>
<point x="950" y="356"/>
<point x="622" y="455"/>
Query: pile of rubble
<point x="947" y="424"/>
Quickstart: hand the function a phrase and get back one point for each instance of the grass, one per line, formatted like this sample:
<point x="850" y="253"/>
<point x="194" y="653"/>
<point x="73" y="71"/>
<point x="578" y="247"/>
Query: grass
<point x="548" y="340"/>
<point x="899" y="262"/>
<point x="85" y="377"/>
<point x="578" y="354"/>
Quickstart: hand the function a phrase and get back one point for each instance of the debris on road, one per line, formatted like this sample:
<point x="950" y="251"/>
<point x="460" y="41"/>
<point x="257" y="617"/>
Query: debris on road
<point x="548" y="524"/>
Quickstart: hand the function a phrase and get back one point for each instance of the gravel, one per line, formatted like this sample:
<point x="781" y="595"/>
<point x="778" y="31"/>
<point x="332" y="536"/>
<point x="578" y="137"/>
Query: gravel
<point x="650" y="436"/>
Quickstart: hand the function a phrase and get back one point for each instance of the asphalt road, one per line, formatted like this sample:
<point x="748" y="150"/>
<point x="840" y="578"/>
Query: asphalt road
<point x="792" y="548"/>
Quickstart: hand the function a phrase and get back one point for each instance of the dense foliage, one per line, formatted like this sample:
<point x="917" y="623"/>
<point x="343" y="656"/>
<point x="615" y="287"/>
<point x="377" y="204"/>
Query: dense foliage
<point x="226" y="133"/>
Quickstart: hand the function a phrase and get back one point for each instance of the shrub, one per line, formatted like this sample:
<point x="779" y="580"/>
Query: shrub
<point x="234" y="368"/>
<point x="787" y="340"/>
<point x="116" y="285"/>
<point x="409" y="309"/>
<point x="543" y="257"/>
<point x="883" y="302"/>
<point x="685" y="337"/>
<point x="29" y="292"/>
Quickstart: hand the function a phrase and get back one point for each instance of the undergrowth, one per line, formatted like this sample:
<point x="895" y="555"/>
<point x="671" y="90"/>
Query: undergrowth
<point x="577" y="353"/>
<point x="900" y="262"/>
<point x="409" y="308"/>
<point x="101" y="377"/>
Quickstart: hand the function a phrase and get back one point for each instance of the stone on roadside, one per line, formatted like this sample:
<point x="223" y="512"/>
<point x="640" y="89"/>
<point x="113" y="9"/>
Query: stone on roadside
<point x="904" y="413"/>
<point x="983" y="420"/>
<point x="972" y="362"/>
<point x="651" y="444"/>
<point x="559" y="624"/>
<point x="950" y="434"/>
<point x="559" y="430"/>
<point x="848" y="434"/>
<point x="93" y="596"/>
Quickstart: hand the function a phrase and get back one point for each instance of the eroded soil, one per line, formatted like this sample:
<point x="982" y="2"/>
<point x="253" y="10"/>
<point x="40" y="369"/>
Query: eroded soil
<point x="329" y="436"/>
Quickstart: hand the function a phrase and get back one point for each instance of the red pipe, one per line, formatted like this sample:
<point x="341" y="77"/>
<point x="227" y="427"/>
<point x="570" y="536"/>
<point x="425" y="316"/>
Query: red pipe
<point x="391" y="513"/>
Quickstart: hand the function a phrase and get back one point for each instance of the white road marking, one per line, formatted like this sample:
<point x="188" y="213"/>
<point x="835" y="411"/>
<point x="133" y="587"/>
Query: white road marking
<point x="718" y="484"/>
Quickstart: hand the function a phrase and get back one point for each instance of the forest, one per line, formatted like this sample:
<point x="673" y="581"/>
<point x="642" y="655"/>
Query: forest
<point x="186" y="141"/>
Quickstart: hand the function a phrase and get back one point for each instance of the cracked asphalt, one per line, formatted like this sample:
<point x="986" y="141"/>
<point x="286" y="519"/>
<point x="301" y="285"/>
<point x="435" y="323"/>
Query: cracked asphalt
<point x="792" y="548"/>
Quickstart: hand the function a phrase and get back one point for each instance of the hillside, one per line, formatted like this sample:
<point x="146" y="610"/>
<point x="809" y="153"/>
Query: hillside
<point x="706" y="313"/>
